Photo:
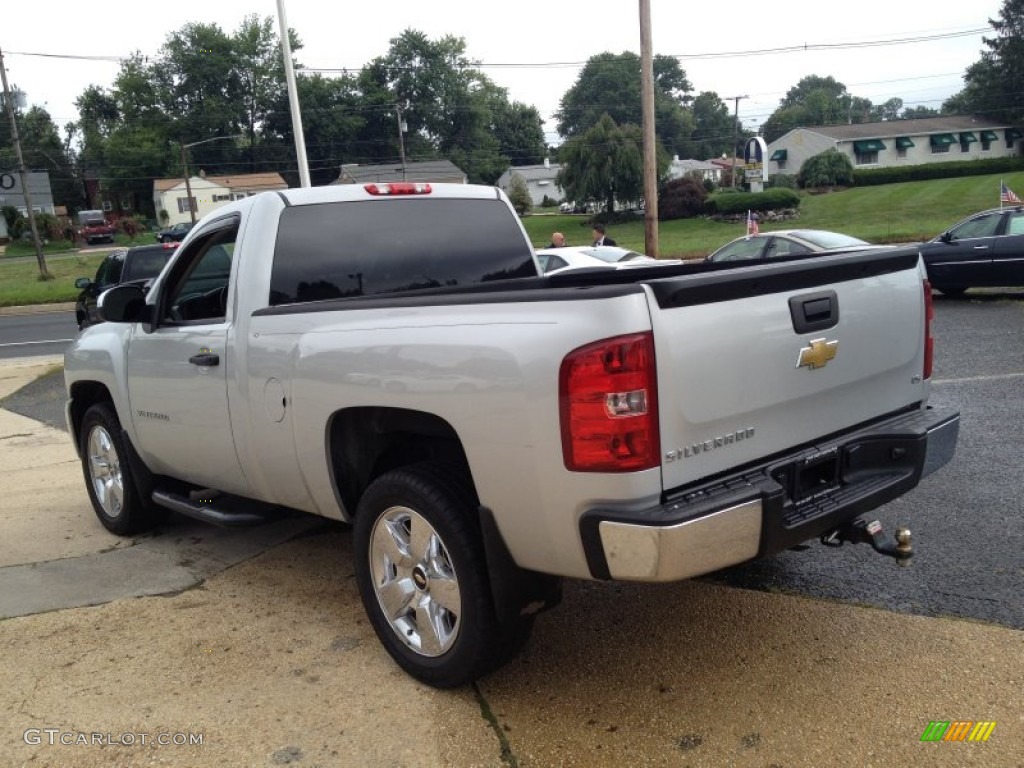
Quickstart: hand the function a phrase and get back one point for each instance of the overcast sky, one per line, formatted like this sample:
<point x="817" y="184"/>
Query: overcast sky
<point x="546" y="41"/>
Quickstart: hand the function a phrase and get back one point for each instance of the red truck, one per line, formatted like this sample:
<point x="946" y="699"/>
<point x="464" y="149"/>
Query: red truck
<point x="93" y="228"/>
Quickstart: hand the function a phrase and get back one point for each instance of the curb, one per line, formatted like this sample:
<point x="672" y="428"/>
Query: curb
<point x="38" y="309"/>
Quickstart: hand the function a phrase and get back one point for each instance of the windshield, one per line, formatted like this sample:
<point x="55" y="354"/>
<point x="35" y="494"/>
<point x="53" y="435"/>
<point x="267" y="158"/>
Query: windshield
<point x="828" y="239"/>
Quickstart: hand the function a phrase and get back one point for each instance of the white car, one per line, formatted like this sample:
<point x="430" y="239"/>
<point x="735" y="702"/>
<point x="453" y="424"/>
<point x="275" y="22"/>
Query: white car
<point x="568" y="257"/>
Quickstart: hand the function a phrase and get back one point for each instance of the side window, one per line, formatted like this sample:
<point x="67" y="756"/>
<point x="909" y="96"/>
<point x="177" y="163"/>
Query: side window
<point x="1016" y="224"/>
<point x="556" y="262"/>
<point x="197" y="289"/>
<point x="741" y="249"/>
<point x="979" y="226"/>
<point x="101" y="273"/>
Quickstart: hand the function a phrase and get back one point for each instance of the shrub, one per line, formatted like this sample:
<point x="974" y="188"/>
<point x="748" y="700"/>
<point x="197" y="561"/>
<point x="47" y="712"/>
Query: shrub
<point x="951" y="169"/>
<point x="740" y="202"/>
<point x="547" y="202"/>
<point x="681" y="199"/>
<point x="519" y="195"/>
<point x="48" y="226"/>
<point x="131" y="226"/>
<point x="782" y="181"/>
<point x="830" y="168"/>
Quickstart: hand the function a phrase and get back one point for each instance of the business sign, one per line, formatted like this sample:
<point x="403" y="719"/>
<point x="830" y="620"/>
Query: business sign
<point x="755" y="151"/>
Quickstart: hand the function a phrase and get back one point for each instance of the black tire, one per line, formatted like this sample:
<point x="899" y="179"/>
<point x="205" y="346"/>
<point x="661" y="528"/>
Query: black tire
<point x="119" y="496"/>
<point x="952" y="290"/>
<point x="456" y="646"/>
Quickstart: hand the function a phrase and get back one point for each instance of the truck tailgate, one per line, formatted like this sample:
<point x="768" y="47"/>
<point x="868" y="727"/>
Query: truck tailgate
<point x="761" y="359"/>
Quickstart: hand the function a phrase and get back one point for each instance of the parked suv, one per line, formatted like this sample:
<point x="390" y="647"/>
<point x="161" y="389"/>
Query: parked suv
<point x="125" y="265"/>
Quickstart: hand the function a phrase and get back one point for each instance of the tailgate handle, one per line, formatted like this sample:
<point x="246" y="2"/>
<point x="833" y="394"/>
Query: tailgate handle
<point x="814" y="311"/>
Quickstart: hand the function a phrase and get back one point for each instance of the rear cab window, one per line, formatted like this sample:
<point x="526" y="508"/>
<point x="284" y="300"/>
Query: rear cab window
<point x="369" y="247"/>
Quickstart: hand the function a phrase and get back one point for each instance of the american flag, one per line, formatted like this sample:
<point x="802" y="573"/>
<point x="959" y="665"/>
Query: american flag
<point x="752" y="228"/>
<point x="1006" y="194"/>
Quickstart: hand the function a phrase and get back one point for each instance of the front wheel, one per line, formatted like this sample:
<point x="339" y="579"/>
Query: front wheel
<point x="117" y="495"/>
<point x="423" y="579"/>
<point x="952" y="290"/>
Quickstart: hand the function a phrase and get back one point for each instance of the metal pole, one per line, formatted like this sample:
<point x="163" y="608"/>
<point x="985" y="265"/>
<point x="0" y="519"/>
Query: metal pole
<point x="650" y="152"/>
<point x="44" y="273"/>
<point x="293" y="97"/>
<point x="401" y="139"/>
<point x="188" y="183"/>
<point x="735" y="133"/>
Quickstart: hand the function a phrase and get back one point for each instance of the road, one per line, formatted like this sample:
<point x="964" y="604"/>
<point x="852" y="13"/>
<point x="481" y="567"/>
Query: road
<point x="35" y="335"/>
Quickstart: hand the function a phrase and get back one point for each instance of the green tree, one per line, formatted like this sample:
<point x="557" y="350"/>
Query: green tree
<point x="992" y="85"/>
<point x="520" y="132"/>
<point x="912" y="113"/>
<point x="713" y="126"/>
<point x="519" y="195"/>
<point x="606" y="164"/>
<point x="43" y="150"/>
<point x="610" y="84"/>
<point x="816" y="100"/>
<point x="828" y="169"/>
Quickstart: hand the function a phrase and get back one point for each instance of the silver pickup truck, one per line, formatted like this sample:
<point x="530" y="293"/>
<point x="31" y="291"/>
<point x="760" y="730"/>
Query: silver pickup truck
<point x="390" y="356"/>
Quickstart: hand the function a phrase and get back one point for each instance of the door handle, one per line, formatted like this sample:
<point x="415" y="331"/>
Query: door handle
<point x="206" y="359"/>
<point x="981" y="247"/>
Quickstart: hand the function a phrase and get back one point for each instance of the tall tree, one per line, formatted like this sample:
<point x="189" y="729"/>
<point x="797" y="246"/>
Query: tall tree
<point x="713" y="126"/>
<point x="43" y="150"/>
<point x="816" y="100"/>
<point x="610" y="84"/>
<point x="993" y="83"/>
<point x="606" y="164"/>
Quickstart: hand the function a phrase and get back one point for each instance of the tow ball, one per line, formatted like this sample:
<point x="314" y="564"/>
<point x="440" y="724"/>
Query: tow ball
<point x="861" y="532"/>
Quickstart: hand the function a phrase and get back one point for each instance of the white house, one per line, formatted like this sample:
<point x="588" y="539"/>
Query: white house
<point x="540" y="180"/>
<point x="208" y="193"/>
<point x="897" y="142"/>
<point x="707" y="170"/>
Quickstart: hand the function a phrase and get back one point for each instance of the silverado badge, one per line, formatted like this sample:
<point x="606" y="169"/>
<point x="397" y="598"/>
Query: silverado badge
<point x="817" y="354"/>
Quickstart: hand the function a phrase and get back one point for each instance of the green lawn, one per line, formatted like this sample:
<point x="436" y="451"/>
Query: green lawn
<point x="121" y="240"/>
<point x="20" y="283"/>
<point x="892" y="213"/>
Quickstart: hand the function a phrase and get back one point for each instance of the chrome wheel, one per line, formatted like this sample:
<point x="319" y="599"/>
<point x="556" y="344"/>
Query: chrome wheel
<point x="105" y="471"/>
<point x="415" y="581"/>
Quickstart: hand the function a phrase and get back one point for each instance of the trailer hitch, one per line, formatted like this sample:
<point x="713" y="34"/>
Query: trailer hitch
<point x="861" y="532"/>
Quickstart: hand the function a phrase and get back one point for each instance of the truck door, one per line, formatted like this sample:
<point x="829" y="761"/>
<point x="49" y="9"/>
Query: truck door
<point x="177" y="371"/>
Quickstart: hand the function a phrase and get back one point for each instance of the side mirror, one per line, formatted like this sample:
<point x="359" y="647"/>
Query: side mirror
<point x="946" y="237"/>
<point x="82" y="283"/>
<point x="123" y="304"/>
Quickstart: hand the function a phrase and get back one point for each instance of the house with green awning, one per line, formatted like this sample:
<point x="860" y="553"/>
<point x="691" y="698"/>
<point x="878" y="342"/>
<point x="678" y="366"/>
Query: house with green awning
<point x="897" y="142"/>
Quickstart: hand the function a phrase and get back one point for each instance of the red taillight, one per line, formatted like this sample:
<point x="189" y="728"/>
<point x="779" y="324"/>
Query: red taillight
<point x="398" y="188"/>
<point x="929" y="342"/>
<point x="608" y="404"/>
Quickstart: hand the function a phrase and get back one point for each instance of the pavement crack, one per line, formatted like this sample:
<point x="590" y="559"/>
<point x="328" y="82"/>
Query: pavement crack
<point x="507" y="755"/>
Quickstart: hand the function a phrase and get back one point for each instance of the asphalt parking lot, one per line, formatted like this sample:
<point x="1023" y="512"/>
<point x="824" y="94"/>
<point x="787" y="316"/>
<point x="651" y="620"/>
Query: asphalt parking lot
<point x="259" y="647"/>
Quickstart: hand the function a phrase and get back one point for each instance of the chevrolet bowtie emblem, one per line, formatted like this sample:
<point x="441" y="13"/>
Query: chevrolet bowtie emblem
<point x="817" y="354"/>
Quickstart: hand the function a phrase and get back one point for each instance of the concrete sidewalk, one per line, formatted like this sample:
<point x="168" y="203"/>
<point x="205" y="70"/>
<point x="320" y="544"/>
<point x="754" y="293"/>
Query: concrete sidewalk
<point x="260" y="648"/>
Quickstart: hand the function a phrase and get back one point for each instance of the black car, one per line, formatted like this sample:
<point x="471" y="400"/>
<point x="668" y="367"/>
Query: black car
<point x="984" y="250"/>
<point x="125" y="265"/>
<point x="174" y="234"/>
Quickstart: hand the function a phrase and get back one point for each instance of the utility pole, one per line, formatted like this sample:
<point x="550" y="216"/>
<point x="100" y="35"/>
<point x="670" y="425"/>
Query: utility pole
<point x="650" y="154"/>
<point x="44" y="273"/>
<point x="401" y="137"/>
<point x="735" y="132"/>
<point x="184" y="167"/>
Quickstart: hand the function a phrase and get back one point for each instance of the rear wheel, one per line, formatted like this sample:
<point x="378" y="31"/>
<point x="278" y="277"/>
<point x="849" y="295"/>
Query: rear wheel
<point x="423" y="579"/>
<point x="952" y="290"/>
<point x="118" y="497"/>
